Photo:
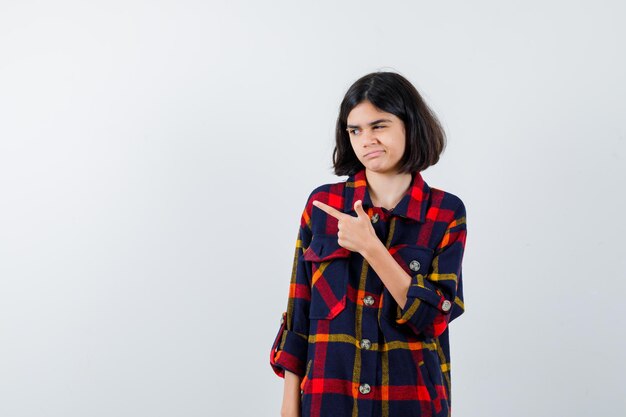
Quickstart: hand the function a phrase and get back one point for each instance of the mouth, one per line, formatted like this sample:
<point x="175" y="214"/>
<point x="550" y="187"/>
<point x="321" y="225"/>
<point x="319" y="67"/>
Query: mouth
<point x="374" y="154"/>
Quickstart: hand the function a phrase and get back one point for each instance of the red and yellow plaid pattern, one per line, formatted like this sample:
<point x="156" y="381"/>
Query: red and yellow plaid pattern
<point x="358" y="353"/>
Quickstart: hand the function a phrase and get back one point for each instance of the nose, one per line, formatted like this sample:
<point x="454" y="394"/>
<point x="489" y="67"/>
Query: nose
<point x="369" y="136"/>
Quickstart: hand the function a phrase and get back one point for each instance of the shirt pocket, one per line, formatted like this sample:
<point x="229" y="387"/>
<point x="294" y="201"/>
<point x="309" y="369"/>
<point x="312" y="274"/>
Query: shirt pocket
<point x="425" y="370"/>
<point x="329" y="276"/>
<point x="433" y="375"/>
<point x="416" y="261"/>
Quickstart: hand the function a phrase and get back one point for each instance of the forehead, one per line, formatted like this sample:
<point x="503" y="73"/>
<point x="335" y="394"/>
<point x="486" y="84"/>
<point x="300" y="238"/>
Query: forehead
<point x="365" y="112"/>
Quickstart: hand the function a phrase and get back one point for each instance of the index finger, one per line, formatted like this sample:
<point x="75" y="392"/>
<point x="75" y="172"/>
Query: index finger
<point x="328" y="209"/>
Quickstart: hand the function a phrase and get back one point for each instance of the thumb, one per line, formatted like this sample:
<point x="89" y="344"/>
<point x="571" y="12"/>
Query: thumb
<point x="358" y="207"/>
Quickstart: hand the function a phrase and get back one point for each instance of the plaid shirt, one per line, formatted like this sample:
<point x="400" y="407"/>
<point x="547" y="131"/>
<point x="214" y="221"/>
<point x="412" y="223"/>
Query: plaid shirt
<point x="359" y="353"/>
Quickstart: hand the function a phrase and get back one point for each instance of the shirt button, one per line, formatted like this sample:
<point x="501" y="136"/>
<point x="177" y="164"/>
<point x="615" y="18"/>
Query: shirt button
<point x="368" y="300"/>
<point x="414" y="265"/>
<point x="366" y="344"/>
<point x="446" y="305"/>
<point x="364" y="388"/>
<point x="375" y="218"/>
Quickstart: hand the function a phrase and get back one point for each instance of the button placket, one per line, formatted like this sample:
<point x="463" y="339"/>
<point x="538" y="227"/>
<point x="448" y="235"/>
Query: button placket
<point x="380" y="226"/>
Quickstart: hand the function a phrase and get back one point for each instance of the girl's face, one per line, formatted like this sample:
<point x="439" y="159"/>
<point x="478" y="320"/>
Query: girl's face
<point x="377" y="138"/>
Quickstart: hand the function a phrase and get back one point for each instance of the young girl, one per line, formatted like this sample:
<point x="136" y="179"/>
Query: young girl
<point x="376" y="273"/>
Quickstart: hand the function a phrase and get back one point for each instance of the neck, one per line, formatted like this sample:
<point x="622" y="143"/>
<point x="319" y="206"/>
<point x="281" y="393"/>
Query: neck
<point x="387" y="189"/>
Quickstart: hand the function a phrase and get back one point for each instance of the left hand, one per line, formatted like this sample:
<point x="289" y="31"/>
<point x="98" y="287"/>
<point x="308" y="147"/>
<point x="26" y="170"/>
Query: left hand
<point x="355" y="233"/>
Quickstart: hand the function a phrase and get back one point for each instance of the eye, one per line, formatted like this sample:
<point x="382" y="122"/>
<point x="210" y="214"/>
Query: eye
<point x="351" y="131"/>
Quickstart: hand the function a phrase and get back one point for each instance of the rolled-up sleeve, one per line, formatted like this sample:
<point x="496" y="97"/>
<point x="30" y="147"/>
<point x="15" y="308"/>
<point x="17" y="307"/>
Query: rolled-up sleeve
<point x="436" y="298"/>
<point x="289" y="350"/>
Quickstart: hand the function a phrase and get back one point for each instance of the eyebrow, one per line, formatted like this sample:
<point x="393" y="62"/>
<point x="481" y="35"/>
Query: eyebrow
<point x="371" y="123"/>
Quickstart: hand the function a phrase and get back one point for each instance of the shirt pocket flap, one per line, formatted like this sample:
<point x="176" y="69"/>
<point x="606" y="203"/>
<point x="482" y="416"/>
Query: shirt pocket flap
<point x="417" y="261"/>
<point x="414" y="259"/>
<point x="324" y="248"/>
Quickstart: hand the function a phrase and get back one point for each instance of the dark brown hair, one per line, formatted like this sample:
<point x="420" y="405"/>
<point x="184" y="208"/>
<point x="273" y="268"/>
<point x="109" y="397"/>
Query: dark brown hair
<point x="391" y="93"/>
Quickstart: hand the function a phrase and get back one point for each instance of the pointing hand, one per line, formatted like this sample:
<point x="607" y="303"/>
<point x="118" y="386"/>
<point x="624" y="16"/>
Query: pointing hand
<point x="355" y="233"/>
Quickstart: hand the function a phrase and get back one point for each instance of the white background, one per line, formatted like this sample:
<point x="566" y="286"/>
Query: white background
<point x="155" y="158"/>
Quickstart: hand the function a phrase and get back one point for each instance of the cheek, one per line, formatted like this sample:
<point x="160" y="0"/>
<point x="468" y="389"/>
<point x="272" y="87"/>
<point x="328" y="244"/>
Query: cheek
<point x="397" y="150"/>
<point x="401" y="146"/>
<point x="354" y="150"/>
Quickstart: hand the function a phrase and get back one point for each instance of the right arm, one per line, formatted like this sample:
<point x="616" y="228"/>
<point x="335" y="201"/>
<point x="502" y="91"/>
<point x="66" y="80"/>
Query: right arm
<point x="291" y="396"/>
<point x="289" y="351"/>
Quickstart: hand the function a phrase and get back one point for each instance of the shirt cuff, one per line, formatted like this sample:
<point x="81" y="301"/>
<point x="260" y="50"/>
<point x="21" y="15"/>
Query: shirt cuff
<point x="289" y="351"/>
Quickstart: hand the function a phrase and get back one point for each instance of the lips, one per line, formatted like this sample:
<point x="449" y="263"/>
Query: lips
<point x="374" y="153"/>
